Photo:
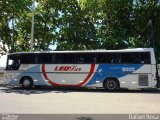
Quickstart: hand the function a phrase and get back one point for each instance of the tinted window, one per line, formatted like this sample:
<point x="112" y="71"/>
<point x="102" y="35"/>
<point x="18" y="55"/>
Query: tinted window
<point x="65" y="58"/>
<point x="84" y="58"/>
<point x="45" y="58"/>
<point x="136" y="58"/>
<point x="146" y="57"/>
<point x="106" y="58"/>
<point x="29" y="59"/>
<point x="129" y="58"/>
<point x="13" y="62"/>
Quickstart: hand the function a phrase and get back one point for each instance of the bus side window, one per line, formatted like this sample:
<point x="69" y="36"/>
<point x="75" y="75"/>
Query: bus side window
<point x="107" y="58"/>
<point x="58" y="58"/>
<point x="16" y="64"/>
<point x="128" y="58"/>
<point x="85" y="58"/>
<point x="137" y="58"/>
<point x="54" y="58"/>
<point x="81" y="58"/>
<point x="146" y="58"/>
<point x="67" y="58"/>
<point x="30" y="59"/>
<point x="112" y="58"/>
<point x="101" y="58"/>
<point x="43" y="58"/>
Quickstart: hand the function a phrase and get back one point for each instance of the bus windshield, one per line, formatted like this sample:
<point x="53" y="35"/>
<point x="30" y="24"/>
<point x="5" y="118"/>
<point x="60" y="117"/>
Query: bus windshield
<point x="13" y="62"/>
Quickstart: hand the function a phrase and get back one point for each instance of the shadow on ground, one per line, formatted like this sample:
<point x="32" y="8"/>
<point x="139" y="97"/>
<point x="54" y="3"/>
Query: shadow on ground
<point x="42" y="90"/>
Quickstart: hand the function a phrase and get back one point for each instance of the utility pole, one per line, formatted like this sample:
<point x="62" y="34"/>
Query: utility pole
<point x="153" y="39"/>
<point x="32" y="28"/>
<point x="150" y="23"/>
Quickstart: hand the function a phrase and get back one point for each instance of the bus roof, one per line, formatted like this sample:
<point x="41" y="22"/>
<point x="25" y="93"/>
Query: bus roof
<point x="90" y="51"/>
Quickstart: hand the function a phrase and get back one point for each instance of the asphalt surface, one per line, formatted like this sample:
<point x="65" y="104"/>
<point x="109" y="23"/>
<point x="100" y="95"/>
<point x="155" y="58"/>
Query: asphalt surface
<point x="75" y="101"/>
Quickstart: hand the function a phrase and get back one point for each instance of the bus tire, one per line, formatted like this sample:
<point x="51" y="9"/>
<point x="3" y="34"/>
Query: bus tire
<point x="111" y="84"/>
<point x="26" y="82"/>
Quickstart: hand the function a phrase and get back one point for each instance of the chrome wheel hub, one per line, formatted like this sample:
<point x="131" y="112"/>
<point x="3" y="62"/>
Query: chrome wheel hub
<point x="26" y="83"/>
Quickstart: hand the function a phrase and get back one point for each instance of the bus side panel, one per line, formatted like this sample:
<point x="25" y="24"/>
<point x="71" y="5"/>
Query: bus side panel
<point x="13" y="77"/>
<point x="142" y="77"/>
<point x="74" y="74"/>
<point x="34" y="71"/>
<point x="68" y="74"/>
<point x="129" y="75"/>
<point x="113" y="70"/>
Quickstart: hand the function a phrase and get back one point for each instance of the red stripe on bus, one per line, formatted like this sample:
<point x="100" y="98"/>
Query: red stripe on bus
<point x="77" y="85"/>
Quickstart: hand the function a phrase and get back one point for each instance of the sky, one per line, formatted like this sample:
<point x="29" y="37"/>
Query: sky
<point x="3" y="60"/>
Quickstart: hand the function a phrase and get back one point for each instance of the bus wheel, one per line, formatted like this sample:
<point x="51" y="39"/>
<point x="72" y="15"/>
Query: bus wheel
<point x="111" y="84"/>
<point x="27" y="82"/>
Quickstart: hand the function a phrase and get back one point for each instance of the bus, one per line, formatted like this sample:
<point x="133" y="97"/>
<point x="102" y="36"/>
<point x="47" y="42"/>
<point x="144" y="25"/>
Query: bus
<point x="109" y="69"/>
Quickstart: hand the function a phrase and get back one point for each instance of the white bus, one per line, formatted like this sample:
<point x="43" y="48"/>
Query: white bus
<point x="110" y="69"/>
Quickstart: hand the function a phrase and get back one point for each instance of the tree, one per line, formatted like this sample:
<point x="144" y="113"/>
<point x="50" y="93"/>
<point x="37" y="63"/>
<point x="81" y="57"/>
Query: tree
<point x="10" y="11"/>
<point x="80" y="24"/>
<point x="124" y="24"/>
<point x="76" y="31"/>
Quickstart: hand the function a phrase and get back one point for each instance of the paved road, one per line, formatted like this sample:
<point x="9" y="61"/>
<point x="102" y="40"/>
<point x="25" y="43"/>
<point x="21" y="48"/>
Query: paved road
<point x="73" y="101"/>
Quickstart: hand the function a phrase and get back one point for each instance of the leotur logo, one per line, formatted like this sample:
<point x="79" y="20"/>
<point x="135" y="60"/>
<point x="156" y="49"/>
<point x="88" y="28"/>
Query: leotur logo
<point x="67" y="68"/>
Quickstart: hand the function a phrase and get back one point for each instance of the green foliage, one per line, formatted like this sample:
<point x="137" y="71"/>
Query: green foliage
<point x="10" y="11"/>
<point x="76" y="29"/>
<point x="80" y="24"/>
